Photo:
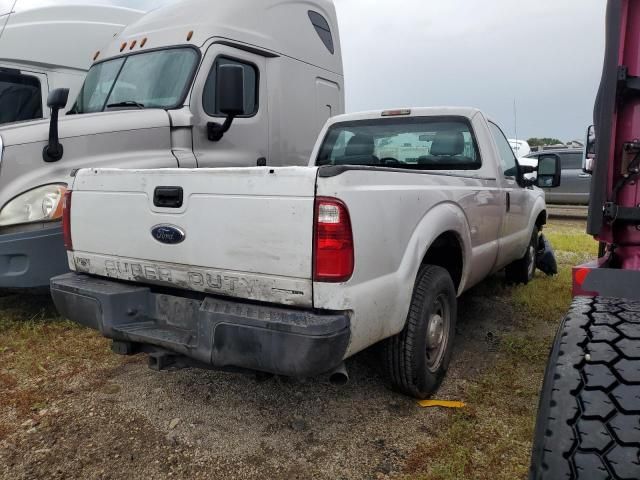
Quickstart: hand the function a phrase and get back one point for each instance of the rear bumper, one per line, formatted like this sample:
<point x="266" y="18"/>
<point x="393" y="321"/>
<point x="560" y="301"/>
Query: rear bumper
<point x="31" y="259"/>
<point x="213" y="332"/>
<point x="595" y="280"/>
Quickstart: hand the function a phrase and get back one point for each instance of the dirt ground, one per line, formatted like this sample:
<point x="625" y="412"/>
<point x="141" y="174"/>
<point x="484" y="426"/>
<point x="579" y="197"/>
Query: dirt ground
<point x="138" y="423"/>
<point x="94" y="415"/>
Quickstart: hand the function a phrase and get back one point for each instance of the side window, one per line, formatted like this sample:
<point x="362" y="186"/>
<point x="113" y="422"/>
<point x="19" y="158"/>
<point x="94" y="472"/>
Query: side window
<point x="250" y="87"/>
<point x="507" y="158"/>
<point x="322" y="28"/>
<point x="20" y="97"/>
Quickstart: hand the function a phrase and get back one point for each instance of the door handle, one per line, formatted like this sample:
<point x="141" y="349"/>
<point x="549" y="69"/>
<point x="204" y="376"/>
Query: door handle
<point x="508" y="202"/>
<point x="168" y="197"/>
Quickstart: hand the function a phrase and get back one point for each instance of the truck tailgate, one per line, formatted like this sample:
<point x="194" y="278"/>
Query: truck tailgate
<point x="248" y="232"/>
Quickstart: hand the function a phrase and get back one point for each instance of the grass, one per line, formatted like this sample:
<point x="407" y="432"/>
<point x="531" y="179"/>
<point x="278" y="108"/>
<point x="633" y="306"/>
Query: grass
<point x="491" y="438"/>
<point x="42" y="358"/>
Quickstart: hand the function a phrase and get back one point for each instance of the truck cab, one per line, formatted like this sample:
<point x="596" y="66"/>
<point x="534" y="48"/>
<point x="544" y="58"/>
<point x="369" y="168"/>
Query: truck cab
<point x="155" y="98"/>
<point x="45" y="48"/>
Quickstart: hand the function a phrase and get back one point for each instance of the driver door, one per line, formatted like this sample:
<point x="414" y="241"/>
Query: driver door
<point x="247" y="139"/>
<point x="515" y="233"/>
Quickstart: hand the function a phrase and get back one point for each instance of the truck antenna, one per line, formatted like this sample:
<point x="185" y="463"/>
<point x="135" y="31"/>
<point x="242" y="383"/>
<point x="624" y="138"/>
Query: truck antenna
<point x="515" y="119"/>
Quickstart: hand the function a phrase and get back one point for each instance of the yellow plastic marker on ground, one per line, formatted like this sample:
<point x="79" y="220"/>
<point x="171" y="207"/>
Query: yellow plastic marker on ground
<point x="441" y="403"/>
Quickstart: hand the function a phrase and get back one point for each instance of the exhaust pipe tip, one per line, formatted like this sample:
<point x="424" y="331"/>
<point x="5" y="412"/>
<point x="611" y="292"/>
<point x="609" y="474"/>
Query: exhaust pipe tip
<point x="339" y="377"/>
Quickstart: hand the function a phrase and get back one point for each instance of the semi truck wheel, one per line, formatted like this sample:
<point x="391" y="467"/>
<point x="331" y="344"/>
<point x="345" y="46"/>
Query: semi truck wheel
<point x="588" y="423"/>
<point x="524" y="269"/>
<point x="418" y="357"/>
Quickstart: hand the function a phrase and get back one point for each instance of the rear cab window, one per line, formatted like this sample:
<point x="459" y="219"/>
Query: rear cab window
<point x="20" y="97"/>
<point x="416" y="143"/>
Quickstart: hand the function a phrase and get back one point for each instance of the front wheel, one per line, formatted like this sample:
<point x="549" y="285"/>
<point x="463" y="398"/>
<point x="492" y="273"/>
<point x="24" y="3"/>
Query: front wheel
<point x="417" y="358"/>
<point x="524" y="269"/>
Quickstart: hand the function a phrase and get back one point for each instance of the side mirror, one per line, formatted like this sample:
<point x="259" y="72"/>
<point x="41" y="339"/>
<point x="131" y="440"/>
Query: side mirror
<point x="589" y="150"/>
<point x="56" y="100"/>
<point x="549" y="171"/>
<point x="229" y="98"/>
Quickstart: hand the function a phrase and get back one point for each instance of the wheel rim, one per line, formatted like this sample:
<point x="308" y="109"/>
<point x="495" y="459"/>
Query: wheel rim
<point x="437" y="332"/>
<point x="531" y="261"/>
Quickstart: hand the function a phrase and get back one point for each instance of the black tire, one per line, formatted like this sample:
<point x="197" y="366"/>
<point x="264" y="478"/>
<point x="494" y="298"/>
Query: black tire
<point x="524" y="269"/>
<point x="588" y="423"/>
<point x="413" y="365"/>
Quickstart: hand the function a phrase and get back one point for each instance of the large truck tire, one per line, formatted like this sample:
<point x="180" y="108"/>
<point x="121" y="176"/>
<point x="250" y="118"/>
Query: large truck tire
<point x="588" y="423"/>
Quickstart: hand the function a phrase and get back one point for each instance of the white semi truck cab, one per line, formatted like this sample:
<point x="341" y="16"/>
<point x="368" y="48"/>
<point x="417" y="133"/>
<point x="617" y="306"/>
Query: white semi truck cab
<point x="231" y="83"/>
<point x="45" y="48"/>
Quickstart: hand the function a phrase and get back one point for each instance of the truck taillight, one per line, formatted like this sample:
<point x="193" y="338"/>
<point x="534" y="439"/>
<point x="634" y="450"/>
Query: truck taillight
<point x="333" y="248"/>
<point x="66" y="221"/>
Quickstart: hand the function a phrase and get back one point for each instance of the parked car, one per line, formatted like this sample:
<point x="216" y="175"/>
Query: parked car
<point x="291" y="270"/>
<point x="45" y="48"/>
<point x="157" y="97"/>
<point x="521" y="148"/>
<point x="575" y="184"/>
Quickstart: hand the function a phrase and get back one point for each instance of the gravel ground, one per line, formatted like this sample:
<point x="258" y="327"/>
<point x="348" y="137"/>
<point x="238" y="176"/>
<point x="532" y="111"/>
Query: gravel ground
<point x="137" y="423"/>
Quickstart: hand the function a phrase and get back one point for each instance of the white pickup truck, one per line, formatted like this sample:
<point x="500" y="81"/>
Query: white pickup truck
<point x="291" y="270"/>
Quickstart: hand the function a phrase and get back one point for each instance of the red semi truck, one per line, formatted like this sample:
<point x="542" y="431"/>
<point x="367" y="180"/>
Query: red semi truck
<point x="589" y="417"/>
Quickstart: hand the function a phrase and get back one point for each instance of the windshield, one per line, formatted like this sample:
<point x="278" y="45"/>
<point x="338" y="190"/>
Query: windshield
<point x="157" y="79"/>
<point x="419" y="143"/>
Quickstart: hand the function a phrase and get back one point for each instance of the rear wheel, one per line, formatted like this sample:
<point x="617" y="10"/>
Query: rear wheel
<point x="588" y="425"/>
<point x="524" y="269"/>
<point x="418" y="357"/>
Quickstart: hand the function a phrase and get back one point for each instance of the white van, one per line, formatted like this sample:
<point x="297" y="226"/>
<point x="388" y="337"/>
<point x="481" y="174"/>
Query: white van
<point x="45" y="48"/>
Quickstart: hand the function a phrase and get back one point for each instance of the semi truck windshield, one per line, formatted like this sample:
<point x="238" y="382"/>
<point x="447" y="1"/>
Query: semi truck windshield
<point x="158" y="79"/>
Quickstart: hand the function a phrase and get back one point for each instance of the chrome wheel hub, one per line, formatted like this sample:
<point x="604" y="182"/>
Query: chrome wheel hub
<point x="437" y="333"/>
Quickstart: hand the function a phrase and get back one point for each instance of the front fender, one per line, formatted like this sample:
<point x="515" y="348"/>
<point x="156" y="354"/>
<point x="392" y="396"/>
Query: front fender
<point x="539" y="206"/>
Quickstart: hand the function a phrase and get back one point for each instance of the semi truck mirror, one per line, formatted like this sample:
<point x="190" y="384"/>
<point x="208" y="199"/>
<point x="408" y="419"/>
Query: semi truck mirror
<point x="56" y="100"/>
<point x="549" y="171"/>
<point x="229" y="98"/>
<point x="589" y="150"/>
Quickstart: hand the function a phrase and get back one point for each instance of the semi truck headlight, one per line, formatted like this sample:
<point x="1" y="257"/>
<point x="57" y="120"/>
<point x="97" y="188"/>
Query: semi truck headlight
<point x="41" y="204"/>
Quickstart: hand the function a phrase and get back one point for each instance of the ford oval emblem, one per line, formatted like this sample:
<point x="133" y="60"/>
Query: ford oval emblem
<point x="168" y="234"/>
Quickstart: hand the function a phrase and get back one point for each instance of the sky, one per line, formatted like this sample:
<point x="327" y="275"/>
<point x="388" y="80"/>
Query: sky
<point x="543" y="57"/>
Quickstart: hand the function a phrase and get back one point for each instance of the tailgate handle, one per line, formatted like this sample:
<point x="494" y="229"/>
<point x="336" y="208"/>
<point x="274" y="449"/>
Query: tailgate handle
<point x="168" y="197"/>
